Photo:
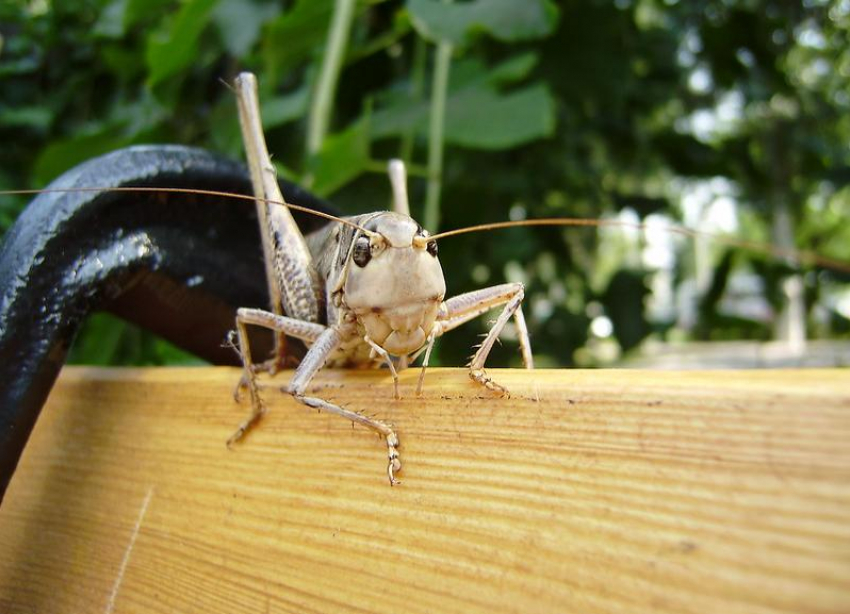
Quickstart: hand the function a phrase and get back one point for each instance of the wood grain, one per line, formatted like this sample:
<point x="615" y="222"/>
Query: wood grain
<point x="586" y="491"/>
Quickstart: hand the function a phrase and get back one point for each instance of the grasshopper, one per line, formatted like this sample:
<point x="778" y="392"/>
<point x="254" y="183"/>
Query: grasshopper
<point x="366" y="292"/>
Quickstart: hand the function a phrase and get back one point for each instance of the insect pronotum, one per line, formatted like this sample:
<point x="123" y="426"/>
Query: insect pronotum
<point x="368" y="290"/>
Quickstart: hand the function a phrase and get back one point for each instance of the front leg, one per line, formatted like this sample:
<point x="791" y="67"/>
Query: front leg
<point x="324" y="341"/>
<point x="327" y="342"/>
<point x="464" y="307"/>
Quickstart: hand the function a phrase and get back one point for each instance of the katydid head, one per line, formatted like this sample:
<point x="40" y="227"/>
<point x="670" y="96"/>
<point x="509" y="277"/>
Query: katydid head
<point x="394" y="283"/>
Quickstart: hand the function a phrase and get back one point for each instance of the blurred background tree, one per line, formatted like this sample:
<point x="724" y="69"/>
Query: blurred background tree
<point x="726" y="116"/>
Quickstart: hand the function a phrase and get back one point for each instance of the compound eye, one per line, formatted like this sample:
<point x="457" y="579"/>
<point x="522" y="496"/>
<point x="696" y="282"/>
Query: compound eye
<point x="362" y="251"/>
<point x="432" y="248"/>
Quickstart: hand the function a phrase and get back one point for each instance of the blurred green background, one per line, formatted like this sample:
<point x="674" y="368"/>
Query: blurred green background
<point x="728" y="116"/>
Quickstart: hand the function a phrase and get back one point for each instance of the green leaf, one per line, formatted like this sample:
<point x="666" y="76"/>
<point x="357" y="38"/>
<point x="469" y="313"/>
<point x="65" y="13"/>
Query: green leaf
<point x="165" y="353"/>
<point x="174" y="48"/>
<point x="110" y="24"/>
<point x="11" y="206"/>
<point x="138" y="11"/>
<point x="225" y="132"/>
<point x="284" y="109"/>
<point x="120" y="16"/>
<point x="61" y="155"/>
<point x="478" y="115"/>
<point x="512" y="70"/>
<point x="399" y="116"/>
<point x="285" y="172"/>
<point x="504" y="20"/>
<point x="239" y="23"/>
<point x="292" y="38"/>
<point x="105" y="339"/>
<point x="473" y="72"/>
<point x="343" y="157"/>
<point x="99" y="340"/>
<point x="128" y="64"/>
<point x="359" y="49"/>
<point x="484" y="119"/>
<point x="18" y="66"/>
<point x="37" y="117"/>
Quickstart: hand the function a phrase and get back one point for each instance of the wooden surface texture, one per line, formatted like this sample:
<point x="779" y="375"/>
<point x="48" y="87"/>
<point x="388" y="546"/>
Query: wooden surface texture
<point x="586" y="491"/>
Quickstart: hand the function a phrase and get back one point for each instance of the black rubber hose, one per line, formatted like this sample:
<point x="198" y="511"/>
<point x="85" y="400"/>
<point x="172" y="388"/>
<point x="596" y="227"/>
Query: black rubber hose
<point x="179" y="265"/>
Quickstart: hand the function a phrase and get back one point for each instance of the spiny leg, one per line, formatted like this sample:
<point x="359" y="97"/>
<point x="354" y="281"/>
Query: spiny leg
<point x="476" y="365"/>
<point x="293" y="282"/>
<point x="306" y="331"/>
<point x="464" y="307"/>
<point x="522" y="336"/>
<point x="327" y="342"/>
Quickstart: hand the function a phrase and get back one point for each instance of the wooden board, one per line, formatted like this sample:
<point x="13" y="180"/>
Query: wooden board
<point x="587" y="491"/>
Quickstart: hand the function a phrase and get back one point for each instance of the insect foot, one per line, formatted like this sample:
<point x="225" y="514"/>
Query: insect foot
<point x="382" y="428"/>
<point x="480" y="376"/>
<point x="395" y="462"/>
<point x="258" y="412"/>
<point x="241" y="385"/>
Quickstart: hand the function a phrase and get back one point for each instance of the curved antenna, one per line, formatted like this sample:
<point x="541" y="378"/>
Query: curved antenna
<point x="218" y="193"/>
<point x="804" y="256"/>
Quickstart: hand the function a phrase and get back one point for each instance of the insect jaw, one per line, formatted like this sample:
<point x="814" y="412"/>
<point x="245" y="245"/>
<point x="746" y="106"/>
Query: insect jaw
<point x="401" y="329"/>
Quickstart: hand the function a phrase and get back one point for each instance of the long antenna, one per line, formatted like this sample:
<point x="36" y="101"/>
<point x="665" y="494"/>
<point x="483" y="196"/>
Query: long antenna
<point x="233" y="195"/>
<point x="804" y="256"/>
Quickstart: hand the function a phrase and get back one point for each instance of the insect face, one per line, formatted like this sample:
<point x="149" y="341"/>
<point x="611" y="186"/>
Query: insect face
<point x="395" y="283"/>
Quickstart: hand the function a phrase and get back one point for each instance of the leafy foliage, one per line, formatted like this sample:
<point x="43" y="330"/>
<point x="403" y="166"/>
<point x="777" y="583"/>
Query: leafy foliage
<point x="504" y="20"/>
<point x="716" y="114"/>
<point x="478" y="115"/>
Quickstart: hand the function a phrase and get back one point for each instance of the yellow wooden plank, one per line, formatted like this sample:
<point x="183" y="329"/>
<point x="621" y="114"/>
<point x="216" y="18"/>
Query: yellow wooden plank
<point x="586" y="491"/>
